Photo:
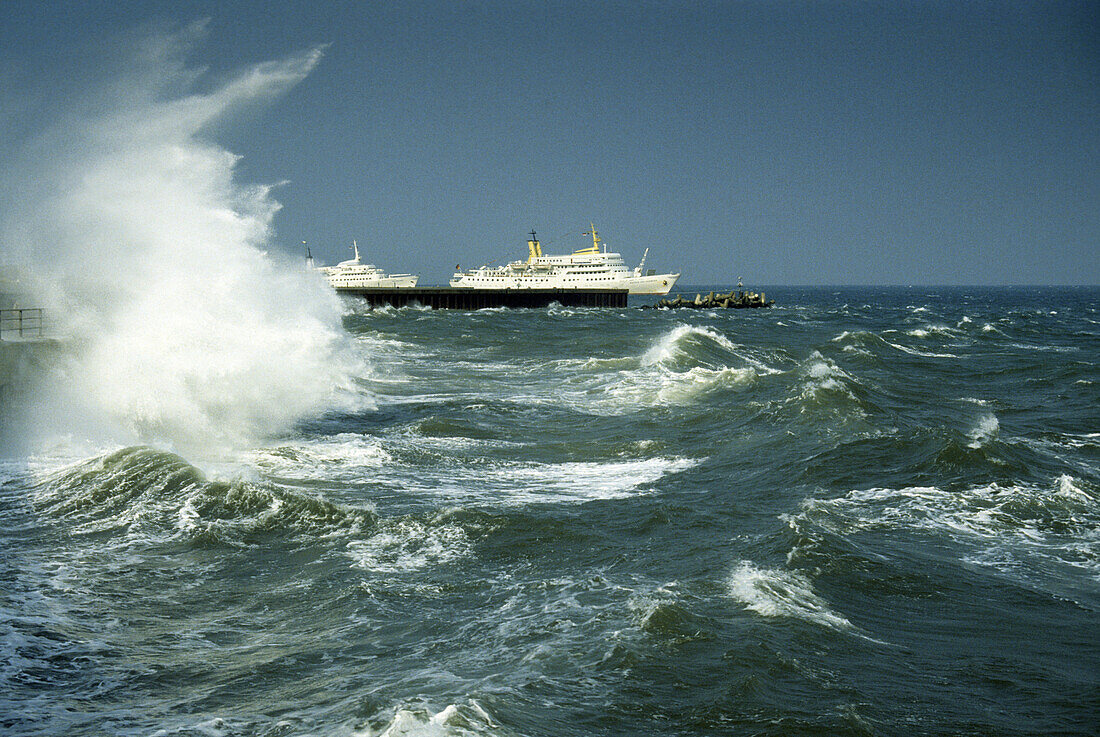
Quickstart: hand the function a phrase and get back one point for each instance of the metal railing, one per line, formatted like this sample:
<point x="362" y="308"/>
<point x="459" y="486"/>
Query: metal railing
<point x="21" y="323"/>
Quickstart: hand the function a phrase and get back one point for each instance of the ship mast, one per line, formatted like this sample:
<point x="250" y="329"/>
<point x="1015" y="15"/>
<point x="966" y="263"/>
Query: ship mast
<point x="595" y="247"/>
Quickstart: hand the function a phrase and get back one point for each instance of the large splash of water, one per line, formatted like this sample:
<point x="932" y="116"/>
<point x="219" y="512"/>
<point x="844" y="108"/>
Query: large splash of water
<point x="126" y="221"/>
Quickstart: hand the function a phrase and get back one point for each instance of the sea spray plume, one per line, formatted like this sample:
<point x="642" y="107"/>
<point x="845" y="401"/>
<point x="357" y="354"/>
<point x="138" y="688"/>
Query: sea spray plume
<point x="179" y="327"/>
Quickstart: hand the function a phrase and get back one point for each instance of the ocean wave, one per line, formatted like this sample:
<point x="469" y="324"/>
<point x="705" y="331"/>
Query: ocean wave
<point x="699" y="347"/>
<point x="868" y="339"/>
<point x="146" y="494"/>
<point x="469" y="719"/>
<point x="662" y="387"/>
<point x="857" y="336"/>
<point x="680" y="368"/>
<point x="989" y="328"/>
<point x="931" y="330"/>
<point x="984" y="432"/>
<point x="344" y="457"/>
<point x="1048" y="348"/>
<point x="408" y="544"/>
<point x="1006" y="527"/>
<point x="915" y="352"/>
<point x="824" y="387"/>
<point x="572" y="482"/>
<point x="776" y="593"/>
<point x="663" y="612"/>
<point x="452" y="461"/>
<point x="357" y="306"/>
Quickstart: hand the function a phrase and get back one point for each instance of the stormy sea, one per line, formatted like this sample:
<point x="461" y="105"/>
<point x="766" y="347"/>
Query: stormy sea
<point x="863" y="511"/>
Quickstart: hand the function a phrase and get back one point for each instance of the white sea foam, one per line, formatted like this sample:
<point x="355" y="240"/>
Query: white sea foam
<point x="1048" y="348"/>
<point x="822" y="378"/>
<point x="930" y="330"/>
<point x="1006" y="527"/>
<point x="346" y="457"/>
<point x="680" y="367"/>
<point x="576" y="482"/>
<point x="776" y="593"/>
<point x="661" y="386"/>
<point x="403" y="545"/>
<point x="673" y="345"/>
<point x="915" y="352"/>
<point x="127" y="223"/>
<point x="455" y="720"/>
<point x="986" y="430"/>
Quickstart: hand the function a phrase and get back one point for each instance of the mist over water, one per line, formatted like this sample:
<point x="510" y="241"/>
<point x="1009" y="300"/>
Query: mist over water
<point x="125" y="220"/>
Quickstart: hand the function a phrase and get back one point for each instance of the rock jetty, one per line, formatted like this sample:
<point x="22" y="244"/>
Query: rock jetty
<point x="733" y="300"/>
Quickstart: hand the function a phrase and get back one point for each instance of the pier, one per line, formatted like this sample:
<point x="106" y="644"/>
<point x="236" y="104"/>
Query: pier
<point x="449" y="298"/>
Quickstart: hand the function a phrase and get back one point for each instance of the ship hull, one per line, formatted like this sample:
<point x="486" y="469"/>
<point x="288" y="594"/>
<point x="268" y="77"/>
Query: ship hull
<point x="658" y="284"/>
<point x="396" y="281"/>
<point x="479" y="299"/>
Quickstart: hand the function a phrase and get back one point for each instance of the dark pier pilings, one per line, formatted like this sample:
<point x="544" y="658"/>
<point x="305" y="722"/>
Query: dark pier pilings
<point x="449" y="298"/>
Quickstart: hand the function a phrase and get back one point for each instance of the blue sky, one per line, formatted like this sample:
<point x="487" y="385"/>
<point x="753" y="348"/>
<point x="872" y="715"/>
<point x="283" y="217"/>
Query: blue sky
<point x="785" y="142"/>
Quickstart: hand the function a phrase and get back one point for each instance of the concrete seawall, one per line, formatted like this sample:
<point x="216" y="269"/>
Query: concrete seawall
<point x="22" y="364"/>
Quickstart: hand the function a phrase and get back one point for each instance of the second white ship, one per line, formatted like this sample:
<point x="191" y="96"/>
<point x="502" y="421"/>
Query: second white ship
<point x="353" y="273"/>
<point x="588" y="268"/>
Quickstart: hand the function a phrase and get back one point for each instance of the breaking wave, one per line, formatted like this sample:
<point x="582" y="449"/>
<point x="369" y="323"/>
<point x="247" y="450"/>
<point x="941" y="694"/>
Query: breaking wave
<point x="142" y="494"/>
<point x="777" y="593"/>
<point x="127" y="223"/>
<point x="455" y="720"/>
<point x="1009" y="527"/>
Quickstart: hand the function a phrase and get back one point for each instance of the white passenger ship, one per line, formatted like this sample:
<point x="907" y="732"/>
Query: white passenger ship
<point x="353" y="273"/>
<point x="588" y="268"/>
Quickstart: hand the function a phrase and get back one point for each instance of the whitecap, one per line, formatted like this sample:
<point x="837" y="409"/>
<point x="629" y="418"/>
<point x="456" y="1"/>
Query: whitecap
<point x="662" y="386"/>
<point x="930" y="330"/>
<point x="671" y="345"/>
<point x="1006" y="527"/>
<point x="823" y="377"/>
<point x="775" y="593"/>
<point x="575" y="482"/>
<point x="454" y="720"/>
<point x="404" y="545"/>
<point x="915" y="352"/>
<point x="985" y="431"/>
<point x="346" y="456"/>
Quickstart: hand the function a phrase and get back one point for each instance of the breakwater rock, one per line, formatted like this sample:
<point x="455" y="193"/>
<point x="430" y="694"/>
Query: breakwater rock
<point x="733" y="300"/>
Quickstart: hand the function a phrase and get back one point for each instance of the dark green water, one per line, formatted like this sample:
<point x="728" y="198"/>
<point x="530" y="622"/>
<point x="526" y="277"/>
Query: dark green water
<point x="861" y="512"/>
